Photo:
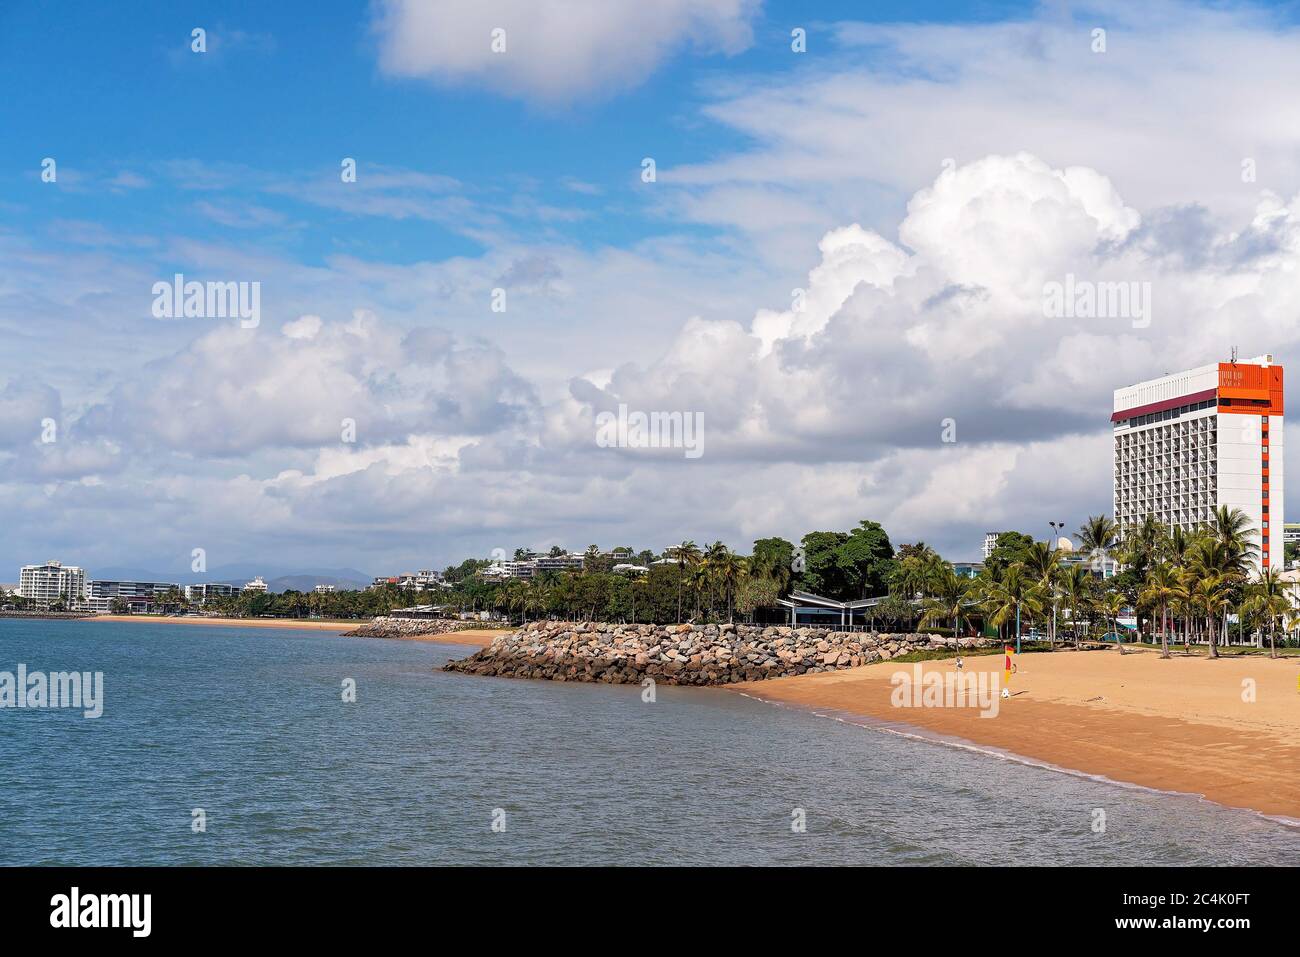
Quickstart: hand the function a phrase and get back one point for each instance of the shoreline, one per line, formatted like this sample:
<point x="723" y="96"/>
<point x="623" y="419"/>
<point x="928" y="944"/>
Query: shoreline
<point x="305" y="624"/>
<point x="472" y="637"/>
<point x="466" y="637"/>
<point x="1178" y="726"/>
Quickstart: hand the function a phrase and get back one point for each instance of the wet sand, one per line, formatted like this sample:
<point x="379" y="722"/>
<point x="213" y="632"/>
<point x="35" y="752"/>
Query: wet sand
<point x="1184" y="724"/>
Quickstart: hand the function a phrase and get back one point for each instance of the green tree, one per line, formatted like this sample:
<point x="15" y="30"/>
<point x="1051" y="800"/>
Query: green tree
<point x="773" y="558"/>
<point x="1160" y="592"/>
<point x="1097" y="536"/>
<point x="1010" y="548"/>
<point x="687" y="555"/>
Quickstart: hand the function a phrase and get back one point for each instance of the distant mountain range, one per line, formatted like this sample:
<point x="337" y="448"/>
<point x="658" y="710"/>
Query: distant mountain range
<point x="277" y="579"/>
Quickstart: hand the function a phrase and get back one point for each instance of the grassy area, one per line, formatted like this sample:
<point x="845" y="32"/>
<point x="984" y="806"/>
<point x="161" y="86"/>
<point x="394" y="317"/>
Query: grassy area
<point x="1026" y="647"/>
<point x="1226" y="651"/>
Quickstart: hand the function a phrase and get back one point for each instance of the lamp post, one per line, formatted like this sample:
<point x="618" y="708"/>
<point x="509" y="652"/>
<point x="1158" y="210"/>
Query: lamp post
<point x="1057" y="527"/>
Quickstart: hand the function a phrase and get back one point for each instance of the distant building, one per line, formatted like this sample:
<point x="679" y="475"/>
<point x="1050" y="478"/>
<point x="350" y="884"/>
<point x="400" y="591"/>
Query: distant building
<point x="573" y="562"/>
<point x="256" y="585"/>
<point x="423" y="580"/>
<point x="324" y="589"/>
<point x="1291" y="533"/>
<point x="968" y="569"/>
<point x="137" y="596"/>
<point x="51" y="582"/>
<point x="627" y="568"/>
<point x="990" y="542"/>
<point x="1101" y="567"/>
<point x="202" y="594"/>
<point x="531" y="567"/>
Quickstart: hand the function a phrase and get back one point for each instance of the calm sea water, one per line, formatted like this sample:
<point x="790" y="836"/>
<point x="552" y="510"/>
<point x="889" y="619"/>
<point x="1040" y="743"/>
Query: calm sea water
<point x="249" y="725"/>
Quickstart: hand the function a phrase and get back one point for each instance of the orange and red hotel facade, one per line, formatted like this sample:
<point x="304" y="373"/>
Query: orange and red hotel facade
<point x="1189" y="442"/>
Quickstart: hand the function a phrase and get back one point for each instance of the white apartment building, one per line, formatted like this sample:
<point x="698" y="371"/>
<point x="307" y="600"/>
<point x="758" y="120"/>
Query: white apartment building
<point x="45" y="584"/>
<point x="256" y="585"/>
<point x="1192" y="441"/>
<point x="530" y="567"/>
<point x="990" y="543"/>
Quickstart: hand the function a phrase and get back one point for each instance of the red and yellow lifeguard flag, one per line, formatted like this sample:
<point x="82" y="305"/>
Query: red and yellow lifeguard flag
<point x="1006" y="651"/>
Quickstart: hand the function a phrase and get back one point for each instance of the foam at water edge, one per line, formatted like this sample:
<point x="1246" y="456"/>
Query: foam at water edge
<point x="961" y="744"/>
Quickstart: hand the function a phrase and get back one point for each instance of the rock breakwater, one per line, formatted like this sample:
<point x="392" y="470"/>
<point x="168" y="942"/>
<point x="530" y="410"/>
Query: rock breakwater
<point x="387" y="627"/>
<point x="686" y="654"/>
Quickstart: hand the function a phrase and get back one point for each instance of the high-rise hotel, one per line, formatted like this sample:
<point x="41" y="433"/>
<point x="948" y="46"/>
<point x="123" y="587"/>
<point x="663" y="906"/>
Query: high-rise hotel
<point x="1189" y="442"/>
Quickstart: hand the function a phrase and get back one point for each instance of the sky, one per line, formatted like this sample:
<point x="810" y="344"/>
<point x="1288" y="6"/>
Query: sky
<point x="837" y="268"/>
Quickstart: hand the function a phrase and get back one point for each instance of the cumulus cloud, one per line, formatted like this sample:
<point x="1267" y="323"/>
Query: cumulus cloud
<point x="235" y="391"/>
<point x="555" y="50"/>
<point x="889" y="340"/>
<point x="24" y="406"/>
<point x="1184" y="95"/>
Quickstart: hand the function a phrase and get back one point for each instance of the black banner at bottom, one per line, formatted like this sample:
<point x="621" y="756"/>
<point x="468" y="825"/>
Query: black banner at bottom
<point x="1222" y="906"/>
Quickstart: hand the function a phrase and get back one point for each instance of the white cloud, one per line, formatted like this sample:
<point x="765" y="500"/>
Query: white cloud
<point x="236" y="391"/>
<point x="555" y="50"/>
<point x="1183" y="95"/>
<point x="895" y="338"/>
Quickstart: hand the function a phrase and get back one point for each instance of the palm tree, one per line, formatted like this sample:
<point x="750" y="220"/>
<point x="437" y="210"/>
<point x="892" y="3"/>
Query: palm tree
<point x="1269" y="596"/>
<point x="701" y="577"/>
<point x="948" y="603"/>
<point x="1231" y="527"/>
<point x="1098" y="535"/>
<point x="729" y="568"/>
<point x="1111" y="605"/>
<point x="1219" y="565"/>
<point x="1044" y="565"/>
<point x="687" y="554"/>
<point x="1178" y="545"/>
<point x="1010" y="595"/>
<point x="1161" y="588"/>
<point x="537" y="599"/>
<point x="1076" y="588"/>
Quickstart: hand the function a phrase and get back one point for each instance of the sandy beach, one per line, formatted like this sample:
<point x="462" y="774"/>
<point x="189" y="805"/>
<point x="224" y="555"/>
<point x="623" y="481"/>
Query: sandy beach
<point x="476" y="637"/>
<point x="1179" y="725"/>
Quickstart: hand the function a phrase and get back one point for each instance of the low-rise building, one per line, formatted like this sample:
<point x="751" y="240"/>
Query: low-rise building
<point x="531" y="567"/>
<point x="423" y="580"/>
<point x="572" y="562"/>
<point x="137" y="596"/>
<point x="256" y="585"/>
<point x="202" y="594"/>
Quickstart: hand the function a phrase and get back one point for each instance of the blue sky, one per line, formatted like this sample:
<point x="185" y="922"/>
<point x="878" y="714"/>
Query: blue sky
<point x="822" y="171"/>
<point x="285" y="88"/>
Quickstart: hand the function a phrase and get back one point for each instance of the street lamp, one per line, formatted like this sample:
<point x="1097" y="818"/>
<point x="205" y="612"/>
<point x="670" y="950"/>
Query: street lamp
<point x="1057" y="528"/>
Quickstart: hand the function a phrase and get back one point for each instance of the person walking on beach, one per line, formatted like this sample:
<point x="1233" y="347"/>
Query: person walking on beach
<point x="959" y="663"/>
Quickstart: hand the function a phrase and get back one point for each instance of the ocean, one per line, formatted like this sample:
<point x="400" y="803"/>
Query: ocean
<point x="249" y="727"/>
